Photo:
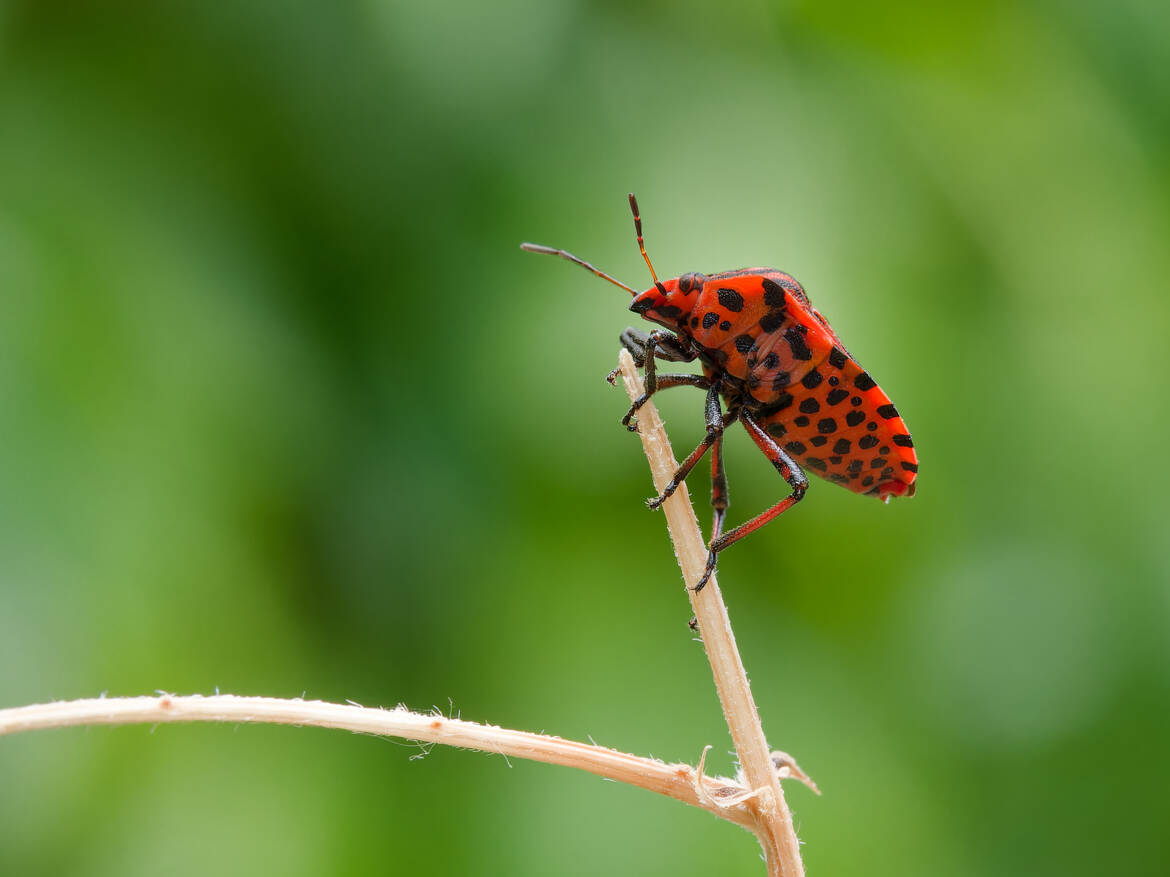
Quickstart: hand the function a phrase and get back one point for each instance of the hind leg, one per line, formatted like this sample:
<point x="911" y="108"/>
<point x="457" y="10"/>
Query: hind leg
<point x="788" y="470"/>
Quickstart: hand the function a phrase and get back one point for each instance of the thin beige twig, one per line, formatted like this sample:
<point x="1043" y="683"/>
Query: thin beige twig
<point x="678" y="781"/>
<point x="774" y="825"/>
<point x="756" y="804"/>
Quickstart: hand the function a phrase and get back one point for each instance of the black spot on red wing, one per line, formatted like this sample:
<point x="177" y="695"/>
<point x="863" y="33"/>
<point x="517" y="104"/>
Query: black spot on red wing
<point x="834" y="380"/>
<point x="884" y="449"/>
<point x="855" y="401"/>
<point x="903" y="441"/>
<point x="837" y="358"/>
<point x="835" y="397"/>
<point x="784" y="400"/>
<point x="782" y="379"/>
<point x="887" y="472"/>
<point x="801" y="421"/>
<point x="909" y="467"/>
<point x="827" y="425"/>
<point x="877" y="463"/>
<point x="795" y="448"/>
<point x="773" y="293"/>
<point x="818" y="441"/>
<point x="744" y="343"/>
<point x="731" y="300"/>
<point x="725" y="325"/>
<point x="834" y="459"/>
<point x="669" y="311"/>
<point x="812" y="379"/>
<point x="864" y="382"/>
<point x="842" y="446"/>
<point x="810" y="406"/>
<point x="855" y="465"/>
<point x="866" y="442"/>
<point x="771" y="361"/>
<point x="854" y="417"/>
<point x="710" y="319"/>
<point x="867" y="481"/>
<point x="837" y="478"/>
<point x="816" y="463"/>
<point x="889" y="412"/>
<point x="794" y="335"/>
<point x="777" y="429"/>
<point x="871" y="426"/>
<point x="772" y="321"/>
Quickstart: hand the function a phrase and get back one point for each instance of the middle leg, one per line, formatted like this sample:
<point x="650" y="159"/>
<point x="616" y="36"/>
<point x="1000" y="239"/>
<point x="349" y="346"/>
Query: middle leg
<point x="715" y="426"/>
<point x="719" y="503"/>
<point x="663" y="382"/>
<point x="788" y="470"/>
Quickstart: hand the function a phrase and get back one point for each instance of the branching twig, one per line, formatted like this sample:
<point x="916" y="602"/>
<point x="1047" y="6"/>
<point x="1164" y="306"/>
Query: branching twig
<point x="774" y="821"/>
<point x="677" y="781"/>
<point x="756" y="804"/>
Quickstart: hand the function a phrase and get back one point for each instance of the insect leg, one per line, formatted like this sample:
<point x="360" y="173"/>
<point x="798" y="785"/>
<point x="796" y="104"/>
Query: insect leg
<point x="719" y="503"/>
<point x="715" y="427"/>
<point x="664" y="382"/>
<point x="788" y="470"/>
<point x="667" y="346"/>
<point x="719" y="498"/>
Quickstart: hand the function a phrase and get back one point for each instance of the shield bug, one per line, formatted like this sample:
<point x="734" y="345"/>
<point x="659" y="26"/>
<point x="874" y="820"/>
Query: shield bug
<point x="780" y="371"/>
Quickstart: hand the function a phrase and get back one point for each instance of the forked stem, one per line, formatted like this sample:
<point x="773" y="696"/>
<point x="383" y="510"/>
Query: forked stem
<point x="756" y="804"/>
<point x="678" y="781"/>
<point x="774" y="826"/>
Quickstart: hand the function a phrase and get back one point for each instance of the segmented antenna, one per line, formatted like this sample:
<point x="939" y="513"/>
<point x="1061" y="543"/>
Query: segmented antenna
<point x="552" y="251"/>
<point x="642" y="243"/>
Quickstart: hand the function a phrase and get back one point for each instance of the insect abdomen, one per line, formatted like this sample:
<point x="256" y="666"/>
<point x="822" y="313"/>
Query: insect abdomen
<point x="843" y="427"/>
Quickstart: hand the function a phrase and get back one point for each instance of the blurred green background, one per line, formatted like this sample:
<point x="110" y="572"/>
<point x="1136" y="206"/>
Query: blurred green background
<point x="285" y="410"/>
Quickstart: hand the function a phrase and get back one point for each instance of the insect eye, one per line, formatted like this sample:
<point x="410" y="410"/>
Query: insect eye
<point x="692" y="281"/>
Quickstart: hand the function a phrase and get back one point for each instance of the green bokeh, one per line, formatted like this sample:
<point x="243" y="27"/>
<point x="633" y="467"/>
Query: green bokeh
<point x="284" y="410"/>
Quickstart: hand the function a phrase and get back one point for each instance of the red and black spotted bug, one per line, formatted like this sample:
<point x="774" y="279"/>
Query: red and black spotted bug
<point x="781" y="371"/>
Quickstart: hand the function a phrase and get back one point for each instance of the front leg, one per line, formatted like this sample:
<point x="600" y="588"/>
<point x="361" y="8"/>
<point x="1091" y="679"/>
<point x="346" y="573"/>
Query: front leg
<point x="672" y="348"/>
<point x="662" y="345"/>
<point x="667" y="345"/>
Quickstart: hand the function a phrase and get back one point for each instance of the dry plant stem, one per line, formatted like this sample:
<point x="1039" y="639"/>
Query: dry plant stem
<point x="677" y="781"/>
<point x="774" y="826"/>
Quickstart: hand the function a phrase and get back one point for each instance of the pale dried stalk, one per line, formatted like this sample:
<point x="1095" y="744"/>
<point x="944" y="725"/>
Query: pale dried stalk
<point x="774" y="826"/>
<point x="760" y="807"/>
<point x="678" y="781"/>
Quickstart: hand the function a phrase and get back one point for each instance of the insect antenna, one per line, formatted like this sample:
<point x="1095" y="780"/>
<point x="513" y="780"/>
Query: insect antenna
<point x="642" y="243"/>
<point x="552" y="251"/>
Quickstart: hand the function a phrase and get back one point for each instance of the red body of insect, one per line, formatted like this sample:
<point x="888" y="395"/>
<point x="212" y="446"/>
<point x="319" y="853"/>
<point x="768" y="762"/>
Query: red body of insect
<point x="781" y="370"/>
<point x="757" y="327"/>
